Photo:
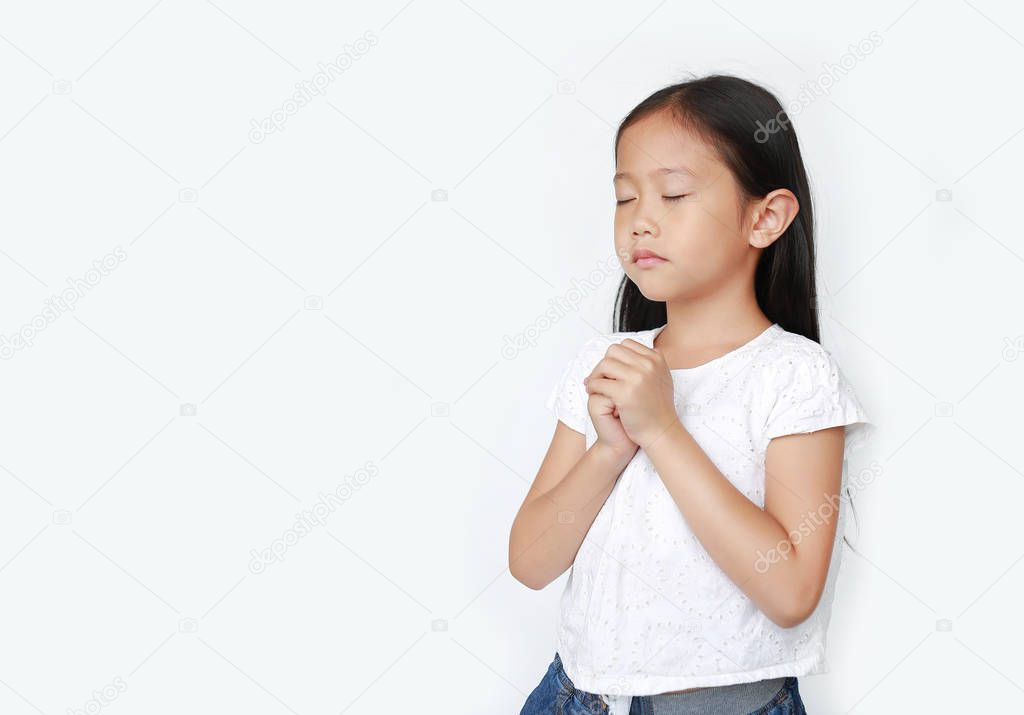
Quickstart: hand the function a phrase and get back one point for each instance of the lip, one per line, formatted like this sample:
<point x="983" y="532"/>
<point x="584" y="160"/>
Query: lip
<point x="644" y="257"/>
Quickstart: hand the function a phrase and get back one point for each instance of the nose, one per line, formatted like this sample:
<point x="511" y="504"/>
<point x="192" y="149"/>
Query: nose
<point x="643" y="218"/>
<point x="644" y="225"/>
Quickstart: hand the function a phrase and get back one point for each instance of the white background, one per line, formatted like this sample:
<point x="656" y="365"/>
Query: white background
<point x="339" y="329"/>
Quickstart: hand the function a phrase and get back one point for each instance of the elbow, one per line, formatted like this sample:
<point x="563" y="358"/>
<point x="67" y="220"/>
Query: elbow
<point x="525" y="579"/>
<point x="796" y="607"/>
<point x="528" y="563"/>
<point x="519" y="573"/>
<point x="789" y="619"/>
<point x="532" y="585"/>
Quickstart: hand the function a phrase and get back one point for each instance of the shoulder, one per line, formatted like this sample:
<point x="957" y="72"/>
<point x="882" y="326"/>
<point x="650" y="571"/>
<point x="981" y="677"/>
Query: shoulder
<point x="800" y="369"/>
<point x="807" y="390"/>
<point x="790" y="354"/>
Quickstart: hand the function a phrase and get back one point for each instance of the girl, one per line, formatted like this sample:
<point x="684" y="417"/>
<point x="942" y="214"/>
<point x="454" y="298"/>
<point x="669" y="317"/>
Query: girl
<point x="694" y="475"/>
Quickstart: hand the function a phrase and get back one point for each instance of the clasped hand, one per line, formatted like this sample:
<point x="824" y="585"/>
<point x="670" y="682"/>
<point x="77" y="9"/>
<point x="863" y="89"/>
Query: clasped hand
<point x="637" y="381"/>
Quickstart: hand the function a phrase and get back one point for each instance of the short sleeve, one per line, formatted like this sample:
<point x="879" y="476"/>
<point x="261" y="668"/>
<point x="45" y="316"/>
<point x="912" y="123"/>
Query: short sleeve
<point x="810" y="392"/>
<point x="568" y="397"/>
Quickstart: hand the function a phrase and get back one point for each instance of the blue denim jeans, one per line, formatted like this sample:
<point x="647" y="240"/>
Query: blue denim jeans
<point x="556" y="695"/>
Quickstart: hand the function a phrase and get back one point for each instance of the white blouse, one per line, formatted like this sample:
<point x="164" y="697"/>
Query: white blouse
<point x="645" y="609"/>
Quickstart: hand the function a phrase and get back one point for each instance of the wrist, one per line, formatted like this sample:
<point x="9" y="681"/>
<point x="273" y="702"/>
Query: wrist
<point x="672" y="430"/>
<point x="616" y="455"/>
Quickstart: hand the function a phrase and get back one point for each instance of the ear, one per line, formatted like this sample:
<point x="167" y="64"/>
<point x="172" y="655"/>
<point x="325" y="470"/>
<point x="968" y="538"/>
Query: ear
<point x="772" y="216"/>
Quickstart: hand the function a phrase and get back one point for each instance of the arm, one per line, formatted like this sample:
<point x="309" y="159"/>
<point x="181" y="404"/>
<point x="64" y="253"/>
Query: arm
<point x="568" y="492"/>
<point x="778" y="556"/>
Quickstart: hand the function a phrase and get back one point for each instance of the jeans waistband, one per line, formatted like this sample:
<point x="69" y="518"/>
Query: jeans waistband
<point x="738" y="697"/>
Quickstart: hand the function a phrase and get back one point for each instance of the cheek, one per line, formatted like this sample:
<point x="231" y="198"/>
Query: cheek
<point x="704" y="252"/>
<point x="707" y="235"/>
<point x="623" y="241"/>
<point x="622" y="225"/>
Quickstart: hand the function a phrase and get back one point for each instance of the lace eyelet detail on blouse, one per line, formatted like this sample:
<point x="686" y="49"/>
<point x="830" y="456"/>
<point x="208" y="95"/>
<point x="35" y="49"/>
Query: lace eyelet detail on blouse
<point x="645" y="608"/>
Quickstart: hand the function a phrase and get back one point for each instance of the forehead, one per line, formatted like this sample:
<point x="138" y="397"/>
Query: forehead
<point x="658" y="144"/>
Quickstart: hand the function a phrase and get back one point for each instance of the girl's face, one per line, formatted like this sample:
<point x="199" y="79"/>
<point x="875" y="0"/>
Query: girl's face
<point x="701" y="238"/>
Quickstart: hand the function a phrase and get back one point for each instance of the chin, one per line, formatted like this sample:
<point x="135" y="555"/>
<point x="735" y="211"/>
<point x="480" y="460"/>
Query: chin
<point x="656" y="290"/>
<point x="665" y="289"/>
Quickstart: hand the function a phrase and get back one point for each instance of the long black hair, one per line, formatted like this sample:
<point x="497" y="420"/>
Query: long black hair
<point x="753" y="136"/>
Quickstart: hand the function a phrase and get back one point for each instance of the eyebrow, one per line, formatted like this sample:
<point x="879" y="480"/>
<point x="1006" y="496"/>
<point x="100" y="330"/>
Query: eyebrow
<point x="663" y="171"/>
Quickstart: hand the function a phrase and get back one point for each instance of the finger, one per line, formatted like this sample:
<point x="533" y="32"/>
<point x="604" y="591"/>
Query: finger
<point x="604" y="404"/>
<point x="626" y="353"/>
<point x="612" y="368"/>
<point x="642" y="357"/>
<point x="604" y="386"/>
<point x="639" y="357"/>
<point x="636" y="347"/>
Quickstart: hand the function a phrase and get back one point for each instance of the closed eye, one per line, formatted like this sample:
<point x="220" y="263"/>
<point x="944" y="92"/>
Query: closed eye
<point x="667" y="198"/>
